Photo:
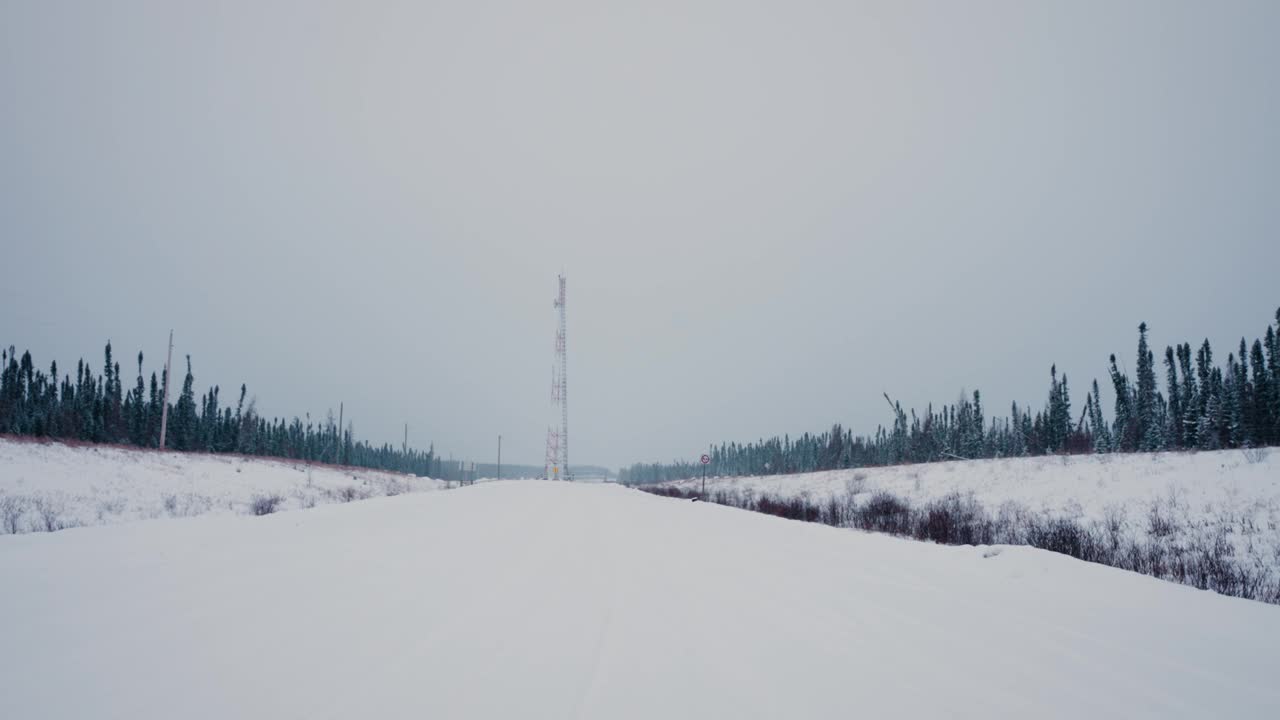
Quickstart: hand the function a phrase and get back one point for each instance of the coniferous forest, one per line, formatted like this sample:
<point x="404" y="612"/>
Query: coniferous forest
<point x="1202" y="406"/>
<point x="97" y="408"/>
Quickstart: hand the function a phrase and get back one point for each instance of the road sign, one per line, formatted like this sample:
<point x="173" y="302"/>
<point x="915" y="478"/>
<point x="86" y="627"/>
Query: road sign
<point x="706" y="459"/>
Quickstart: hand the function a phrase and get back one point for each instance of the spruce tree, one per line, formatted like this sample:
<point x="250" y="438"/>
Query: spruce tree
<point x="109" y="386"/>
<point x="183" y="417"/>
<point x="1273" y="366"/>
<point x="1232" y="409"/>
<point x="1098" y="424"/>
<point x="1147" y="432"/>
<point x="1207" y="431"/>
<point x="1124" y="427"/>
<point x="978" y="440"/>
<point x="1262" y="421"/>
<point x="138" y="407"/>
<point x="1190" y="398"/>
<point x="1174" y="431"/>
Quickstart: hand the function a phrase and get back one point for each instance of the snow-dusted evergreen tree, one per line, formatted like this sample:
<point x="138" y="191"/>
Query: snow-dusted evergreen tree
<point x="1207" y="429"/>
<point x="1273" y="366"/>
<point x="1173" y="429"/>
<point x="1098" y="424"/>
<point x="1124" y="426"/>
<point x="1191" y="409"/>
<point x="138" y="409"/>
<point x="182" y="420"/>
<point x="1057" y="423"/>
<point x="1260" y="421"/>
<point x="1234" y="400"/>
<point x="153" y="413"/>
<point x="1148" y="431"/>
<point x="977" y="440"/>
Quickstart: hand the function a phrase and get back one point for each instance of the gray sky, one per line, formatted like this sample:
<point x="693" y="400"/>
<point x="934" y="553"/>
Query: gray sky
<point x="769" y="212"/>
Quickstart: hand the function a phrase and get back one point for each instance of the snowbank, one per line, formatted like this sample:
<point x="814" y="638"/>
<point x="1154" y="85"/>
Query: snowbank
<point x="50" y="486"/>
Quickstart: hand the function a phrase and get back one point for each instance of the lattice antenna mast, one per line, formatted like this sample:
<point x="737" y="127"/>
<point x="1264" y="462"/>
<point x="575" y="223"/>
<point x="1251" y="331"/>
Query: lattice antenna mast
<point x="552" y="470"/>
<point x="562" y="361"/>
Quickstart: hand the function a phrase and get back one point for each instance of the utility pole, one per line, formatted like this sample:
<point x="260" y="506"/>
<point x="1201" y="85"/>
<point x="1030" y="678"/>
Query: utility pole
<point x="706" y="460"/>
<point x="164" y="405"/>
<point x="341" y="444"/>
<point x="499" y="457"/>
<point x="405" y="448"/>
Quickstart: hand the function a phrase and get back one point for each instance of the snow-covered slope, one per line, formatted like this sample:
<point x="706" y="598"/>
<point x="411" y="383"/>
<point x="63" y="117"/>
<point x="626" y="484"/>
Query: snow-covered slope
<point x="1070" y="485"/>
<point x="1180" y="502"/>
<point x="50" y="485"/>
<point x="553" y="600"/>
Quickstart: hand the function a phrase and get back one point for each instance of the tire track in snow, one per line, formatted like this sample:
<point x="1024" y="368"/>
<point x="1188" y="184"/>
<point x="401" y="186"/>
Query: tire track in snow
<point x="604" y="545"/>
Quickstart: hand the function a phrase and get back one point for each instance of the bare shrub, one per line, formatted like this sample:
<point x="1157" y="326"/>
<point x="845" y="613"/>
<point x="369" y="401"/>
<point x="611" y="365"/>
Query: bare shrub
<point x="196" y="504"/>
<point x="1160" y="522"/>
<point x="885" y="512"/>
<point x="392" y="487"/>
<point x="1113" y="526"/>
<point x="48" y="513"/>
<point x="12" y="508"/>
<point x="856" y="484"/>
<point x="348" y="494"/>
<point x="834" y="511"/>
<point x="187" y="504"/>
<point x="955" y="520"/>
<point x="265" y="504"/>
<point x="792" y="508"/>
<point x="1066" y="536"/>
<point x="111" y="506"/>
<point x="1254" y="455"/>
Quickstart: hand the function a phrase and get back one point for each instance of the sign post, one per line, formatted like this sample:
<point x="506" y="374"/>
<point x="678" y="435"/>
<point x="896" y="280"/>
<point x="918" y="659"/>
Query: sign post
<point x="706" y="460"/>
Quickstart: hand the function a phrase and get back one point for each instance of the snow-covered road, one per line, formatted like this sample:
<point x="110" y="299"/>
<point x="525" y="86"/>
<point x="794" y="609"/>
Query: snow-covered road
<point x="552" y="600"/>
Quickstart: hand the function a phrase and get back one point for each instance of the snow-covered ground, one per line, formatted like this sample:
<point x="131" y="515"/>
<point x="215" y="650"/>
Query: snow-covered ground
<point x="52" y="486"/>
<point x="1191" y="498"/>
<point x="558" y="600"/>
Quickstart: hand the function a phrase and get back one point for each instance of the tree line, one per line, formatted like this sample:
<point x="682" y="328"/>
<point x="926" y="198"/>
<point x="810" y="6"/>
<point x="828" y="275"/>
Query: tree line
<point x="96" y="408"/>
<point x="1203" y="406"/>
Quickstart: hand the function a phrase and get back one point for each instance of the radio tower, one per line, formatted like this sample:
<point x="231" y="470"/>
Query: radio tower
<point x="558" y="442"/>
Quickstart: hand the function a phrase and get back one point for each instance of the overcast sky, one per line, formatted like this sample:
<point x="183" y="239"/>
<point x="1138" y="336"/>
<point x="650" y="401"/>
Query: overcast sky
<point x="768" y="212"/>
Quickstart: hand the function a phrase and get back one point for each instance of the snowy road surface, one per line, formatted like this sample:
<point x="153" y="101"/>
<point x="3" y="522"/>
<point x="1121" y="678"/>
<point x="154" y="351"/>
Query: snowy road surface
<point x="551" y="600"/>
